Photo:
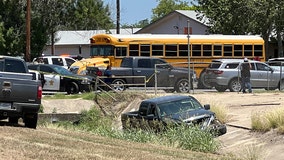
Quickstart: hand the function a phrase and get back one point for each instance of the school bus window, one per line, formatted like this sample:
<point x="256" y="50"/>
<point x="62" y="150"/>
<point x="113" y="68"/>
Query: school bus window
<point x="133" y="50"/>
<point x="171" y="50"/>
<point x="207" y="50"/>
<point x="238" y="50"/>
<point x="145" y="50"/>
<point x="196" y="50"/>
<point x="183" y="50"/>
<point x="157" y="50"/>
<point x="258" y="50"/>
<point x="102" y="50"/>
<point x="120" y="51"/>
<point x="228" y="50"/>
<point x="247" y="50"/>
<point x="217" y="50"/>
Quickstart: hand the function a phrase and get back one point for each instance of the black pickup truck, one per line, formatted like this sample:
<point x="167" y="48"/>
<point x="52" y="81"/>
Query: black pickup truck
<point x="133" y="69"/>
<point x="20" y="92"/>
<point x="172" y="109"/>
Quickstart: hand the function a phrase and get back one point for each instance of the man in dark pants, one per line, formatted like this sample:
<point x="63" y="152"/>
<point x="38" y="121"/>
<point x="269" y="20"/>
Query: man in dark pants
<point x="108" y="80"/>
<point x="245" y="76"/>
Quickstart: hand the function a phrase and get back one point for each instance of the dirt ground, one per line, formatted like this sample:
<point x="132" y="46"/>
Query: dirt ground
<point x="239" y="139"/>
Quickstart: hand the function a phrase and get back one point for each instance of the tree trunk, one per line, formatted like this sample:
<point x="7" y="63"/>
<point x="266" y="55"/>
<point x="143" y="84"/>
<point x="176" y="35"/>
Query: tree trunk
<point x="280" y="44"/>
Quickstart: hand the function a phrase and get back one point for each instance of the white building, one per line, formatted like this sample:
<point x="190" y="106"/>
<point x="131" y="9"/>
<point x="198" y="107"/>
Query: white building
<point x="78" y="42"/>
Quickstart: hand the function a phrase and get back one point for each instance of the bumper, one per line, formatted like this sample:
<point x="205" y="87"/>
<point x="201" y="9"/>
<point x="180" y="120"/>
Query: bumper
<point x="219" y="130"/>
<point x="19" y="109"/>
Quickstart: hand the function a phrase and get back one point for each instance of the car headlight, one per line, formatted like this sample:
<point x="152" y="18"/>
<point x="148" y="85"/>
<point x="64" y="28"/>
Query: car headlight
<point x="86" y="81"/>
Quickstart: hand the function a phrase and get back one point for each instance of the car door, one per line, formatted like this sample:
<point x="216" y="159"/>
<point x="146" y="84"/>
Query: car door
<point x="52" y="79"/>
<point x="262" y="76"/>
<point x="146" y="67"/>
<point x="143" y="69"/>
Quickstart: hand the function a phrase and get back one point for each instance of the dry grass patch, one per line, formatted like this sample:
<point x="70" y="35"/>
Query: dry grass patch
<point x="265" y="121"/>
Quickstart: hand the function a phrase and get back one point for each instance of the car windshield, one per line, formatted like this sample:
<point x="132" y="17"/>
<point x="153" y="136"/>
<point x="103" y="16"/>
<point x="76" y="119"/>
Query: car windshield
<point x="179" y="106"/>
<point x="61" y="70"/>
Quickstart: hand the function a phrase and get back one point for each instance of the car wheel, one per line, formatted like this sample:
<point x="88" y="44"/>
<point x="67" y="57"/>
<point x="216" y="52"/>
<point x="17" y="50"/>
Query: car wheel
<point x="31" y="120"/>
<point x="281" y="85"/>
<point x="235" y="85"/>
<point x="118" y="85"/>
<point x="202" y="84"/>
<point x="13" y="120"/>
<point x="72" y="88"/>
<point x="182" y="86"/>
<point x="88" y="88"/>
<point x="220" y="88"/>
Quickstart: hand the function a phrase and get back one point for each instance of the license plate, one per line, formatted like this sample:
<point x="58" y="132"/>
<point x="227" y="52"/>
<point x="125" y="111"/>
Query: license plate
<point x="5" y="105"/>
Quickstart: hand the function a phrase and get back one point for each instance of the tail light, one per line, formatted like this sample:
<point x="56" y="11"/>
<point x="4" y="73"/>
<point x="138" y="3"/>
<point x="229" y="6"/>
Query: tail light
<point x="99" y="73"/>
<point x="218" y="72"/>
<point x="39" y="92"/>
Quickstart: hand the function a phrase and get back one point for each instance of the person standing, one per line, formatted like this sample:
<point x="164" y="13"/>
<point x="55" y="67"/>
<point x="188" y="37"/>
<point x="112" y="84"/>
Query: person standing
<point x="108" y="74"/>
<point x="245" y="76"/>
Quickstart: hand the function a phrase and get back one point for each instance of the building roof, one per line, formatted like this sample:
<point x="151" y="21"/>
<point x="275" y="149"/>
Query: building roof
<point x="82" y="37"/>
<point x="188" y="14"/>
<point x="193" y="15"/>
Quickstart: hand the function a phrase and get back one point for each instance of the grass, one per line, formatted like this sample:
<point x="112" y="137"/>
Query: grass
<point x="183" y="137"/>
<point x="86" y="96"/>
<point x="253" y="152"/>
<point x="220" y="111"/>
<point x="265" y="121"/>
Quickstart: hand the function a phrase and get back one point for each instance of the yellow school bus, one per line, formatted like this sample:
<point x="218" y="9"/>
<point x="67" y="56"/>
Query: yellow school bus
<point x="174" y="48"/>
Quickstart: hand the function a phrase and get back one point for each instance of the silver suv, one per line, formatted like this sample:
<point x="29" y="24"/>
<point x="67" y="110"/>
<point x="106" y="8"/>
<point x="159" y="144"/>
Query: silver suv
<point x="225" y="74"/>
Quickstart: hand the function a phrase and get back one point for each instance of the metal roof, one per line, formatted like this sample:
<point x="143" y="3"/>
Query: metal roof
<point x="82" y="37"/>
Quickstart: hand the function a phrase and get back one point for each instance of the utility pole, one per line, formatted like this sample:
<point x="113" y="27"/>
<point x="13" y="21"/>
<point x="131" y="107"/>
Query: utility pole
<point x="188" y="52"/>
<point x="28" y="32"/>
<point x="117" y="17"/>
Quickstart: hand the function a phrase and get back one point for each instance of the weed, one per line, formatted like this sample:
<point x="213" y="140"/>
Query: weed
<point x="264" y="121"/>
<point x="253" y="152"/>
<point x="220" y="111"/>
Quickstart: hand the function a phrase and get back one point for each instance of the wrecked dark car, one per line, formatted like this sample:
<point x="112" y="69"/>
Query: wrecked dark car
<point x="172" y="109"/>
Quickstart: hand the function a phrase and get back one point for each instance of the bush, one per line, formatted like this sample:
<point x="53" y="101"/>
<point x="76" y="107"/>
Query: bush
<point x="220" y="111"/>
<point x="265" y="121"/>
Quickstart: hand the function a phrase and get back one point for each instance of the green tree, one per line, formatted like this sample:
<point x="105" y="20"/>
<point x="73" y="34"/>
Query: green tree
<point x="89" y="15"/>
<point x="139" y="24"/>
<point x="244" y="17"/>
<point x="12" y="28"/>
<point x="50" y="16"/>
<point x="166" y="6"/>
<point x="2" y="39"/>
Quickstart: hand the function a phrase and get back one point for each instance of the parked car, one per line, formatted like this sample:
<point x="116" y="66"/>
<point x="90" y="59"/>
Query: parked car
<point x="60" y="79"/>
<point x="276" y="63"/>
<point x="172" y="109"/>
<point x="134" y="71"/>
<point x="225" y="74"/>
<point x="64" y="61"/>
